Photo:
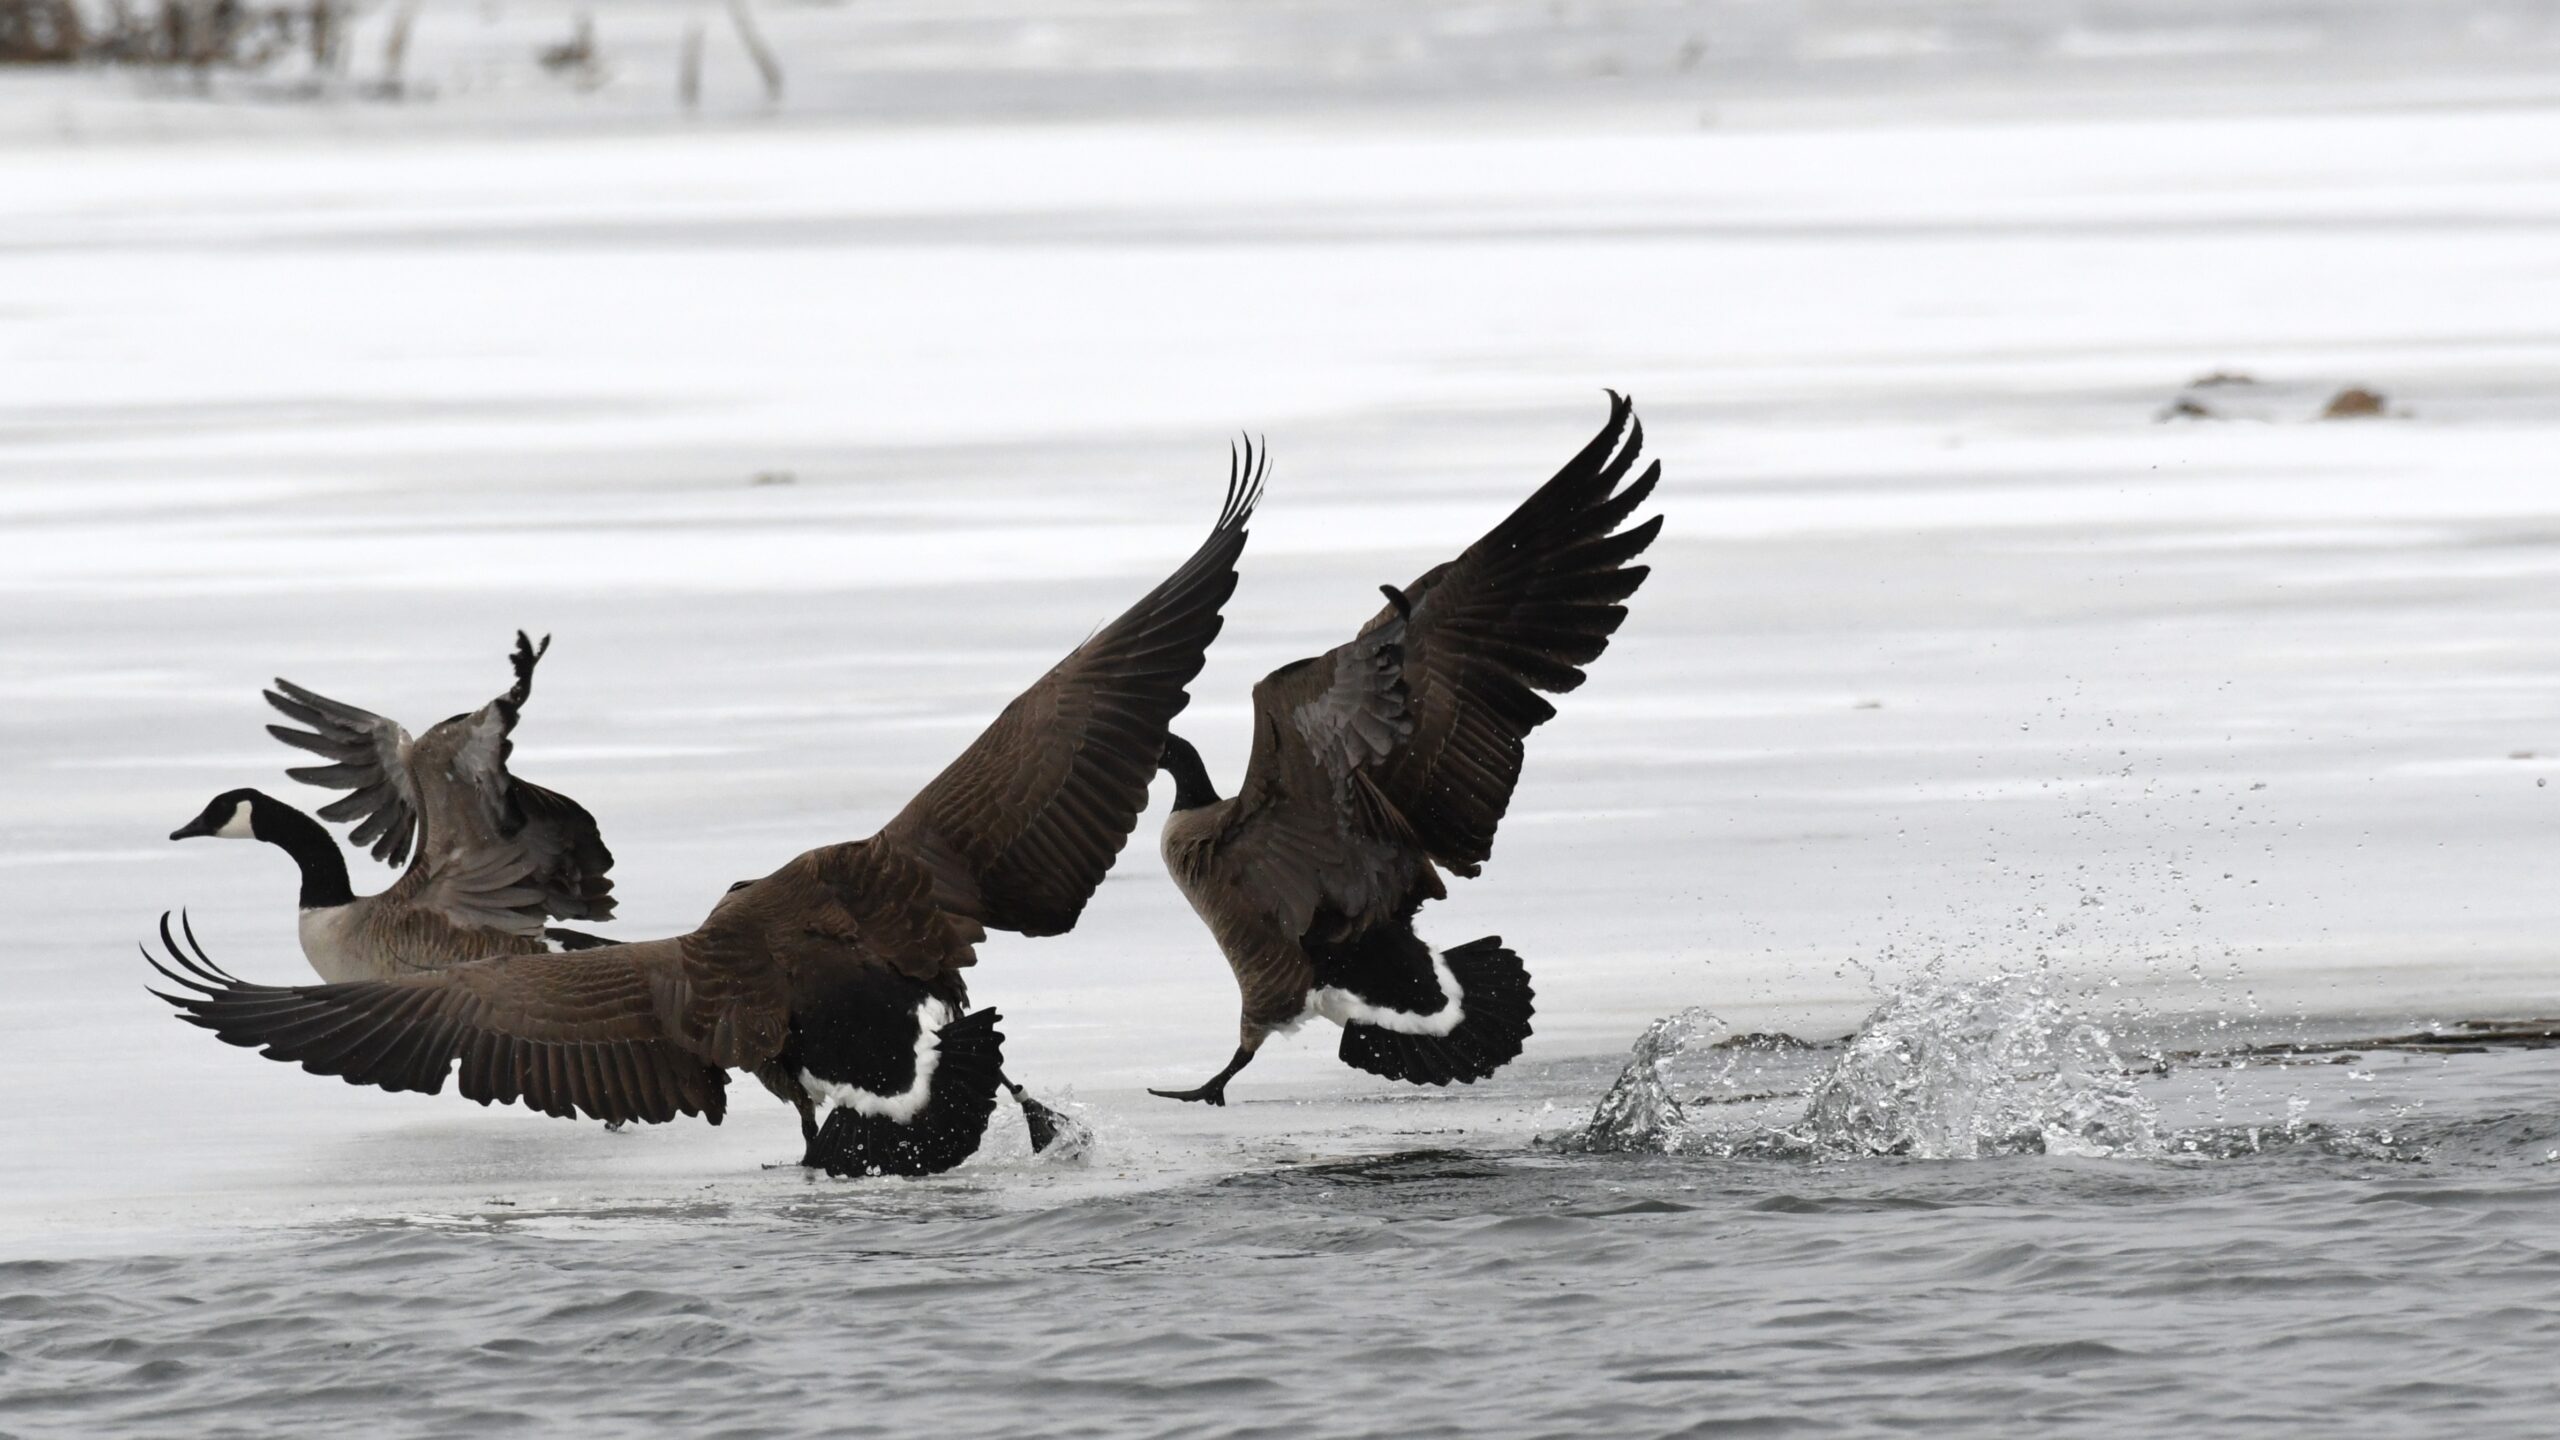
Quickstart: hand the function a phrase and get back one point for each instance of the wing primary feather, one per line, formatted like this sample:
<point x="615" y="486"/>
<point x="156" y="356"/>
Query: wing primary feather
<point x="1475" y="640"/>
<point x="198" y="962"/>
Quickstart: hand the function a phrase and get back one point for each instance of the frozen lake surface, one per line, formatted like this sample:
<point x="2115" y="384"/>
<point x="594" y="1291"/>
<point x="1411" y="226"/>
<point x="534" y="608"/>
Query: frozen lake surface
<point x="813" y="437"/>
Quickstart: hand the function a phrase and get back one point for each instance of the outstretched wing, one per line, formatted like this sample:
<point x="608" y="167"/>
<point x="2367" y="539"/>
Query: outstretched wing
<point x="1408" y="740"/>
<point x="369" y="759"/>
<point x="579" y="1034"/>
<point x="541" y="838"/>
<point x="1019" y="830"/>
<point x="509" y="852"/>
<point x="1521" y="611"/>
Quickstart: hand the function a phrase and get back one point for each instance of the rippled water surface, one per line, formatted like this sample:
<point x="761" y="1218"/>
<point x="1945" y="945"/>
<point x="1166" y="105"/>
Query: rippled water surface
<point x="2392" y="1267"/>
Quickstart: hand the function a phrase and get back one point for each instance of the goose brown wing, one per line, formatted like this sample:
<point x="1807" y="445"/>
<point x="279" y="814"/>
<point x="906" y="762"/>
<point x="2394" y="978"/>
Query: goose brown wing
<point x="369" y="759"/>
<point x="476" y="887"/>
<point x="533" y="838"/>
<point x="1521" y="611"/>
<point x="587" y="1033"/>
<point x="1403" y="745"/>
<point x="1020" y="829"/>
<point x="1314" y="835"/>
<point x="840" y="909"/>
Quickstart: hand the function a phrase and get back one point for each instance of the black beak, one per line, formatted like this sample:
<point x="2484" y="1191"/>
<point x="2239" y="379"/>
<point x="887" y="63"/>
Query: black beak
<point x="197" y="826"/>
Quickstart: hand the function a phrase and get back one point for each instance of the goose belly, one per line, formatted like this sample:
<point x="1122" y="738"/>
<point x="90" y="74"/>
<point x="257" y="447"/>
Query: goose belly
<point x="1215" y="890"/>
<point x="1187" y="858"/>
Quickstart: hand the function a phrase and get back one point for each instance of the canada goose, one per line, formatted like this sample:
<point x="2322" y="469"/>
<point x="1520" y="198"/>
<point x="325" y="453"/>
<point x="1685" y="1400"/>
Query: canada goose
<point x="1396" y="753"/>
<point x="494" y="855"/>
<point x="515" y="839"/>
<point x="836" y="978"/>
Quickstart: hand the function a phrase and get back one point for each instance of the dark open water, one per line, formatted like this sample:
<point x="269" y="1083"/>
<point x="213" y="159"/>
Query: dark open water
<point x="2366" y="1244"/>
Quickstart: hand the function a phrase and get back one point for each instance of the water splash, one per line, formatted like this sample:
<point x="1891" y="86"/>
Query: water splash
<point x="1951" y="1070"/>
<point x="1642" y="1112"/>
<point x="1943" y="1069"/>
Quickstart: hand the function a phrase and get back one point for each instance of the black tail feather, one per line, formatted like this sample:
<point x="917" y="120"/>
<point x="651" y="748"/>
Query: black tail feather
<point x="1045" y="1124"/>
<point x="1040" y="1120"/>
<point x="940" y="1135"/>
<point x="1493" y="986"/>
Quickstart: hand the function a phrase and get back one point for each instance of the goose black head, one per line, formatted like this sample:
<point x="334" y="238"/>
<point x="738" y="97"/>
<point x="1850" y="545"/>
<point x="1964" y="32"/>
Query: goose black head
<point x="231" y="815"/>
<point x="256" y="815"/>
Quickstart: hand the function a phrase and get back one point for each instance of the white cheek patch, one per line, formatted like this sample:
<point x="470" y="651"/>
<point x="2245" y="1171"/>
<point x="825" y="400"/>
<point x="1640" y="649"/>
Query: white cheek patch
<point x="237" y="827"/>
<point x="1344" y="1008"/>
<point x="902" y="1107"/>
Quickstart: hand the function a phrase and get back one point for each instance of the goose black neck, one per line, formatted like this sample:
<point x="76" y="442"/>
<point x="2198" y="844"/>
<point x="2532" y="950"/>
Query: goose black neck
<point x="324" y="865"/>
<point x="1191" y="787"/>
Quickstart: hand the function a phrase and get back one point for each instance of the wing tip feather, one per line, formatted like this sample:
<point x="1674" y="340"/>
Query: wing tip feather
<point x="1248" y="465"/>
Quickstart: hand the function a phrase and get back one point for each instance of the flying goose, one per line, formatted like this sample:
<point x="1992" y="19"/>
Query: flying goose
<point x="1392" y="755"/>
<point x="494" y="855"/>
<point x="836" y="978"/>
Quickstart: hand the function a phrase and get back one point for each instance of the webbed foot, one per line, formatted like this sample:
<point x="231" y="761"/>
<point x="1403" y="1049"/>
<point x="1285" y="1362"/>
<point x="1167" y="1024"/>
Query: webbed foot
<point x="1215" y="1092"/>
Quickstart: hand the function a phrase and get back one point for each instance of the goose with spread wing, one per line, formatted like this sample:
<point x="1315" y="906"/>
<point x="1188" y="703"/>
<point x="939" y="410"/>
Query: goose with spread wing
<point x="838" y="978"/>
<point x="490" y="856"/>
<point x="1391" y="758"/>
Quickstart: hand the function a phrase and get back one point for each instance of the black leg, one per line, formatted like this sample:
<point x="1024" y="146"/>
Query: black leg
<point x="777" y="1079"/>
<point x="808" y="1126"/>
<point x="1215" y="1092"/>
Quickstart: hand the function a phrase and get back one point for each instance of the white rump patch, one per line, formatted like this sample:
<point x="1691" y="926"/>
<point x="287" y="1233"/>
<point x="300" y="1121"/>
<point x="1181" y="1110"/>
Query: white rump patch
<point x="237" y="827"/>
<point x="902" y="1107"/>
<point x="1344" y="1008"/>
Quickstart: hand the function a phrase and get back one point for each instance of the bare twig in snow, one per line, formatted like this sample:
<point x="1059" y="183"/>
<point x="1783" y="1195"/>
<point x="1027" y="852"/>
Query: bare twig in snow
<point x="395" y="50"/>
<point x="766" y="65"/>
<point x="689" y="66"/>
